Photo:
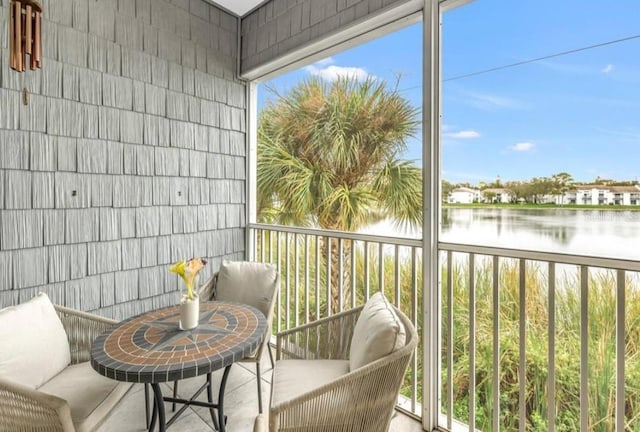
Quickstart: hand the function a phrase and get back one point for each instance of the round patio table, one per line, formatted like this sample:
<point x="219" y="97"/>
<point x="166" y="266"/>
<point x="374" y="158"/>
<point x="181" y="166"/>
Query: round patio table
<point x="150" y="348"/>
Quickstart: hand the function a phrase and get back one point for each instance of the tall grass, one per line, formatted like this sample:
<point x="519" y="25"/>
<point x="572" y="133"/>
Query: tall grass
<point x="601" y="346"/>
<point x="309" y="302"/>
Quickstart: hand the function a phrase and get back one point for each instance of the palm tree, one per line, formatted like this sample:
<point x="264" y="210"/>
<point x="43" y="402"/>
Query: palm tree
<point x="330" y="155"/>
<point x="563" y="182"/>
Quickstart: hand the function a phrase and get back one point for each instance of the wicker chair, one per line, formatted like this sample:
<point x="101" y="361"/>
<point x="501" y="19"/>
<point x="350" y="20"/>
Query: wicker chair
<point x="362" y="399"/>
<point x="45" y="409"/>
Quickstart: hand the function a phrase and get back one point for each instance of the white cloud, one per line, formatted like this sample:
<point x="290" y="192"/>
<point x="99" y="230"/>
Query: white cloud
<point x="522" y="147"/>
<point x="608" y="69"/>
<point x="327" y="70"/>
<point x="465" y="134"/>
<point x="325" y="61"/>
<point x="486" y="101"/>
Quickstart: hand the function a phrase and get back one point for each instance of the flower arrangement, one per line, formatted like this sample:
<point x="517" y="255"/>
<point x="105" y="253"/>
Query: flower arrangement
<point x="188" y="270"/>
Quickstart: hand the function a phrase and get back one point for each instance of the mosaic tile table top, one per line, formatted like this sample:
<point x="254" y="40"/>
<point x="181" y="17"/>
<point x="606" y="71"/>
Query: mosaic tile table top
<point x="151" y="348"/>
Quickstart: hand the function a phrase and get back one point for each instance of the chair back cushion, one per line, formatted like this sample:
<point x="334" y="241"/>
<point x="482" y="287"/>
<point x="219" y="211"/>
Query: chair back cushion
<point x="248" y="282"/>
<point x="33" y="343"/>
<point x="377" y="333"/>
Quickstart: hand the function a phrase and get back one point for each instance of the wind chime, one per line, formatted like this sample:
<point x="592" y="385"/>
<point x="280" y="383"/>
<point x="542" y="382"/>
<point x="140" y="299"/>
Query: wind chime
<point x="25" y="30"/>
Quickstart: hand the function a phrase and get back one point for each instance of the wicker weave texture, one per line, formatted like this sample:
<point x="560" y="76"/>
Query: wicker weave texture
<point x="25" y="409"/>
<point x="362" y="400"/>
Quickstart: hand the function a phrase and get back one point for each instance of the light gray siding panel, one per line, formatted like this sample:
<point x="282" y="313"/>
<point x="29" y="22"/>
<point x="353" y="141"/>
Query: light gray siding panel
<point x="66" y="157"/>
<point x="32" y="115"/>
<point x="10" y="114"/>
<point x="43" y="196"/>
<point x="131" y="250"/>
<point x="53" y="221"/>
<point x="30" y="267"/>
<point x="101" y="191"/>
<point x="17" y="193"/>
<point x="128" y="32"/>
<point x="159" y="72"/>
<point x="14" y="151"/>
<point x="70" y="82"/>
<point x="78" y="261"/>
<point x="90" y="121"/>
<point x="90" y="86"/>
<point x="117" y="92"/>
<point x="127" y="223"/>
<point x="161" y="191"/>
<point x="113" y="152"/>
<point x="155" y="100"/>
<point x="138" y="96"/>
<point x="147" y="222"/>
<point x="107" y="289"/>
<point x="149" y="251"/>
<point x="72" y="190"/>
<point x="73" y="45"/>
<point x="104" y="257"/>
<point x="64" y="118"/>
<point x="127" y="285"/>
<point x="82" y="226"/>
<point x="102" y="20"/>
<point x="131" y="127"/>
<point x="109" y="224"/>
<point x="151" y="281"/>
<point x="21" y="229"/>
<point x="92" y="156"/>
<point x="109" y="123"/>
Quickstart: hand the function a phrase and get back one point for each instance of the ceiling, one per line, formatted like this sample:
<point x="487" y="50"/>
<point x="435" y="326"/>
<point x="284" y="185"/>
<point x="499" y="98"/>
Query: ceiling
<point x="238" y="7"/>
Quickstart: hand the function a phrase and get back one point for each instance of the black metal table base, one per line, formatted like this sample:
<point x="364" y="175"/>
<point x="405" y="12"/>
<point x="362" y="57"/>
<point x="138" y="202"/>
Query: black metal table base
<point x="158" y="414"/>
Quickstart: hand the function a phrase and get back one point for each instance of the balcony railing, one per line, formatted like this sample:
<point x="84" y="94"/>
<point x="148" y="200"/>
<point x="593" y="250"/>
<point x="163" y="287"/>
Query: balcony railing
<point x="529" y="341"/>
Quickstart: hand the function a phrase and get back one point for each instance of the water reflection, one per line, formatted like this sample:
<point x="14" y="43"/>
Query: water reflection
<point x="584" y="232"/>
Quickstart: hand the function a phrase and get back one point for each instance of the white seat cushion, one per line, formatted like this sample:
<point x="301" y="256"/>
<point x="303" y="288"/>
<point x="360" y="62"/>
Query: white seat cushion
<point x="292" y="378"/>
<point x="33" y="343"/>
<point x="90" y="395"/>
<point x="378" y="332"/>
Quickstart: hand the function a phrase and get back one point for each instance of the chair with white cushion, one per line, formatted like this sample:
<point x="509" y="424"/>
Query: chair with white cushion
<point x="246" y="282"/>
<point x="342" y="373"/>
<point x="46" y="380"/>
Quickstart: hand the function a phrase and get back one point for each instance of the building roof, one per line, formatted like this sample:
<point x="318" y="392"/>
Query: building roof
<point x="465" y="190"/>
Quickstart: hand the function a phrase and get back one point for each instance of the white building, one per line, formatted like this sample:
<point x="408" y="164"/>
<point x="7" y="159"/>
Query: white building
<point x="464" y="195"/>
<point x="603" y="195"/>
<point x="498" y="195"/>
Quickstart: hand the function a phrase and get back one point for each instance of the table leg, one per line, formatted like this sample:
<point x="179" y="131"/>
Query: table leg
<point x="146" y="403"/>
<point x="158" y="409"/>
<point x="212" y="410"/>
<point x="221" y="425"/>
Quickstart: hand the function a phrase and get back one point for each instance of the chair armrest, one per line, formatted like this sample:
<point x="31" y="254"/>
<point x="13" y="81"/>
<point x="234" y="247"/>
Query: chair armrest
<point x="23" y="408"/>
<point x="82" y="328"/>
<point x="328" y="338"/>
<point x="360" y="400"/>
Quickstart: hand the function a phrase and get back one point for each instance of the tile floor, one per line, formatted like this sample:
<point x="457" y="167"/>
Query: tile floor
<point x="241" y="405"/>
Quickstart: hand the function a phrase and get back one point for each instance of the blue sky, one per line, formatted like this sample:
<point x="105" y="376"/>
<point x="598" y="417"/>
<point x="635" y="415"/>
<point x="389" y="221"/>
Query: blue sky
<point x="578" y="112"/>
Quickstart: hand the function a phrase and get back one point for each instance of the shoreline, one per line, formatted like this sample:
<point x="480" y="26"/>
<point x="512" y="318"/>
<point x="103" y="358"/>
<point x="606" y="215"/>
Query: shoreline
<point x="547" y="206"/>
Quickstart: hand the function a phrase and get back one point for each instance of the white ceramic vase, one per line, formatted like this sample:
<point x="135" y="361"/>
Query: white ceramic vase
<point x="189" y="312"/>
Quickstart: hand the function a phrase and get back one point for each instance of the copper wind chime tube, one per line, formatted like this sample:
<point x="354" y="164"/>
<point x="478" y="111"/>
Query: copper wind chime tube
<point x="25" y="32"/>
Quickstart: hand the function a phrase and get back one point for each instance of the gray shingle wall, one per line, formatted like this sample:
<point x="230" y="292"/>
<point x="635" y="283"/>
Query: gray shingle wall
<point x="280" y="26"/>
<point x="115" y="169"/>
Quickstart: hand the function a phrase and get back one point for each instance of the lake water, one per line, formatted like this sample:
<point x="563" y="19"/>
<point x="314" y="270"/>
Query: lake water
<point x="602" y="233"/>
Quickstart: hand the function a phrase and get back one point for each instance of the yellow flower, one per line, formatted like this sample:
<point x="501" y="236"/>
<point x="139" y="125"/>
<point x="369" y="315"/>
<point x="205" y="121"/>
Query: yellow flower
<point x="188" y="270"/>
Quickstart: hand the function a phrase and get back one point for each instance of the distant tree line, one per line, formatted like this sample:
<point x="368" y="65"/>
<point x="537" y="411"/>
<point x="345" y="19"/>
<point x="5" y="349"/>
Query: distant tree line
<point x="533" y="190"/>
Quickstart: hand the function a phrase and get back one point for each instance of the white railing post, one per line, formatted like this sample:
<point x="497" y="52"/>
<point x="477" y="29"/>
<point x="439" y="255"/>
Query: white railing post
<point x="431" y="213"/>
